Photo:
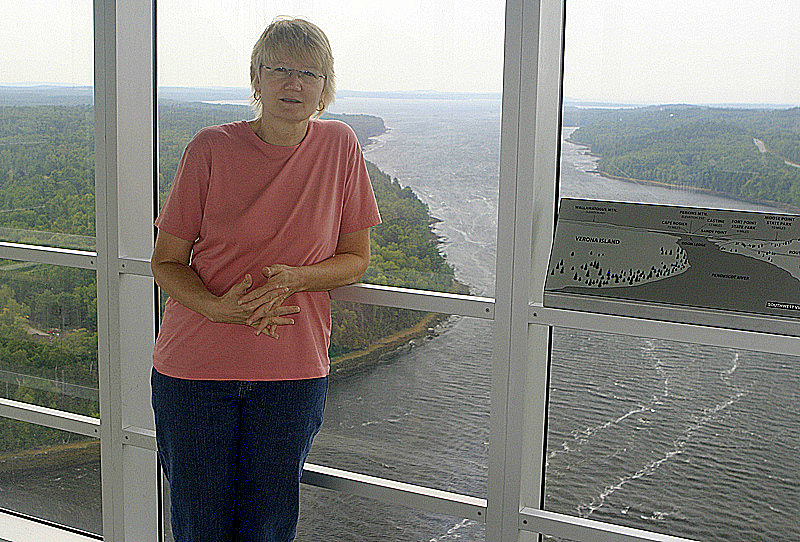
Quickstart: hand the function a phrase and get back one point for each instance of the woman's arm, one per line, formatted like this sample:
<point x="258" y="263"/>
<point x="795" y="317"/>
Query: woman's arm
<point x="346" y="266"/>
<point x="170" y="265"/>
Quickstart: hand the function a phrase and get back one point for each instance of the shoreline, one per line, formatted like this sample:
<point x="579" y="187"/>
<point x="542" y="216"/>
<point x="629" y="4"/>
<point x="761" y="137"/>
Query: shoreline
<point x="786" y="207"/>
<point x="388" y="347"/>
<point x="56" y="455"/>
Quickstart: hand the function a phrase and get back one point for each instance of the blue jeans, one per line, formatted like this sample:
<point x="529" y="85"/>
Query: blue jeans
<point x="233" y="453"/>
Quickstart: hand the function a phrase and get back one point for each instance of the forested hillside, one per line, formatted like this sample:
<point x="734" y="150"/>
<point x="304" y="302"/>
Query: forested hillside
<point x="47" y="174"/>
<point x="751" y="154"/>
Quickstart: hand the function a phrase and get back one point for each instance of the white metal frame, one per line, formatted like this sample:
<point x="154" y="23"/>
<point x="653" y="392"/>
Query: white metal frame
<point x="125" y="158"/>
<point x="15" y="528"/>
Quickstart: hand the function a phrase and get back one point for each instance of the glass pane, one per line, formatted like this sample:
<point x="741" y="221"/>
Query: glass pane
<point x="413" y="406"/>
<point x="48" y="336"/>
<point x="416" y="413"/>
<point x="428" y="119"/>
<point x="683" y="439"/>
<point x="47" y="124"/>
<point x="695" y="107"/>
<point x="50" y="474"/>
<point x="408" y="400"/>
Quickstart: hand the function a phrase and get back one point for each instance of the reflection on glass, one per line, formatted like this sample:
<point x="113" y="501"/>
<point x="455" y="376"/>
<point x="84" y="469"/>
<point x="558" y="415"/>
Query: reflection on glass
<point x="683" y="439"/>
<point x="50" y="474"/>
<point x="47" y="128"/>
<point x="48" y="336"/>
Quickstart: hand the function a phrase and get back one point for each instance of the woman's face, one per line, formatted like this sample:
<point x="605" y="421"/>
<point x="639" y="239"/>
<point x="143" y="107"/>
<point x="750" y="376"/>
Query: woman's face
<point x="288" y="94"/>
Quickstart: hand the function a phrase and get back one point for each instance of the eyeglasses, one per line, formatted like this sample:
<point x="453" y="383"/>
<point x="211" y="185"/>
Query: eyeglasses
<point x="280" y="73"/>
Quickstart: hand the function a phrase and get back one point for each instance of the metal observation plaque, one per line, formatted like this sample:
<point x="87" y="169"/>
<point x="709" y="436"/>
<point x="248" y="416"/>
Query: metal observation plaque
<point x="707" y="266"/>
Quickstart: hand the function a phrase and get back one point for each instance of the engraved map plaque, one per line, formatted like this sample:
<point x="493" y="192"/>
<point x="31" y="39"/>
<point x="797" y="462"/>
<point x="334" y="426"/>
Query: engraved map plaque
<point x="641" y="260"/>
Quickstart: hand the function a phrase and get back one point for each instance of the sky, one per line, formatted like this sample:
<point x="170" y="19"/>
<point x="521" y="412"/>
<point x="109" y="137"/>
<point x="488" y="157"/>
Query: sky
<point x="625" y="51"/>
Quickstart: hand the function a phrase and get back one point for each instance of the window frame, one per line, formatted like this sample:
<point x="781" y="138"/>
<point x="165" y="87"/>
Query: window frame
<point x="126" y="159"/>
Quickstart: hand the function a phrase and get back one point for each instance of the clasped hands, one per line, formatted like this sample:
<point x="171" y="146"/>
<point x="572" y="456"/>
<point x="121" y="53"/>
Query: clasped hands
<point x="262" y="308"/>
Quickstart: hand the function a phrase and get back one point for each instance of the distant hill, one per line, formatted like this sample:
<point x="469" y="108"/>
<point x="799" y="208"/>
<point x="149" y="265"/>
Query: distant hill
<point x="46" y="95"/>
<point x="72" y="95"/>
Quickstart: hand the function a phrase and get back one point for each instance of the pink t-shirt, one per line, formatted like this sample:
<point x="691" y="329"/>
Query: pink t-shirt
<point x="245" y="204"/>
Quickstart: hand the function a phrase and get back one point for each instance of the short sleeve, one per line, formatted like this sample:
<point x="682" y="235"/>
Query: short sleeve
<point x="182" y="213"/>
<point x="359" y="209"/>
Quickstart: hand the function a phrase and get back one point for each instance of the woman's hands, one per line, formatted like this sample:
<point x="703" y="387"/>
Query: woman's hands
<point x="346" y="266"/>
<point x="172" y="272"/>
<point x="262" y="302"/>
<point x="228" y="309"/>
<point x="262" y="308"/>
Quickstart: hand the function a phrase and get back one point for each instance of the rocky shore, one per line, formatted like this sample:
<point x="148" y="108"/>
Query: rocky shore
<point x="388" y="347"/>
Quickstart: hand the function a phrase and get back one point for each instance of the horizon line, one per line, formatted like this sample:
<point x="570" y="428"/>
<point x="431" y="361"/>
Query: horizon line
<point x="495" y="94"/>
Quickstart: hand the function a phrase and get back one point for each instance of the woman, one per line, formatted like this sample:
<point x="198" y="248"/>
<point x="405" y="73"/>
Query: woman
<point x="264" y="217"/>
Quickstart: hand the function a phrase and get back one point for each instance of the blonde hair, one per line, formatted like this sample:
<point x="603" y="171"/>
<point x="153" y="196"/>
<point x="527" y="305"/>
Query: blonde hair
<point x="301" y="40"/>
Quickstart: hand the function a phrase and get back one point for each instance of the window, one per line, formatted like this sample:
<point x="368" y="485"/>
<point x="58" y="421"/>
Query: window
<point x="505" y="414"/>
<point x="408" y="387"/>
<point x="663" y="436"/>
<point x="692" y="108"/>
<point x="51" y="475"/>
<point x="49" y="336"/>
<point x="48" y="290"/>
<point x="429" y="123"/>
<point x="47" y="132"/>
<point x="415" y="408"/>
